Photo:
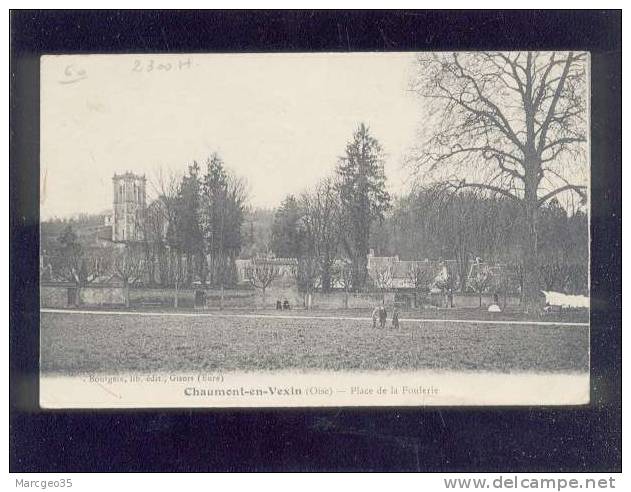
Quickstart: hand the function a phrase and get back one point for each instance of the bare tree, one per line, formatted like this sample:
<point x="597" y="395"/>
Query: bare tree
<point x="176" y="275"/>
<point x="260" y="274"/>
<point x="307" y="273"/>
<point x="465" y="225"/>
<point x="517" y="270"/>
<point x="129" y="264"/>
<point x="164" y="228"/>
<point x="163" y="224"/>
<point x="506" y="281"/>
<point x="513" y="123"/>
<point x="382" y="277"/>
<point x="446" y="281"/>
<point x="343" y="275"/>
<point x="480" y="282"/>
<point x="82" y="267"/>
<point x="76" y="264"/>
<point x="321" y="223"/>
<point x="154" y="229"/>
<point x="421" y="276"/>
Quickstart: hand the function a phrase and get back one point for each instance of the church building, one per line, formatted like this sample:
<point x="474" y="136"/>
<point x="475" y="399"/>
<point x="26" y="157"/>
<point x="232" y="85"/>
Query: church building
<point x="130" y="202"/>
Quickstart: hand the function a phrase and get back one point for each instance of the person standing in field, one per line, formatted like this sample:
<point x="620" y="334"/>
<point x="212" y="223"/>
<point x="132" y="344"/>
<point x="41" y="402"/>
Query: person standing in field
<point x="375" y="314"/>
<point x="383" y="316"/>
<point x="395" y="319"/>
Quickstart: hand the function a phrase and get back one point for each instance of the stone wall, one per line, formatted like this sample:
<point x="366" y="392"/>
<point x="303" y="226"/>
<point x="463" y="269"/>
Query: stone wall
<point x="53" y="296"/>
<point x="161" y="297"/>
<point x="340" y="300"/>
<point x="230" y="298"/>
<point x="102" y="296"/>
<point x="186" y="298"/>
<point x="278" y="293"/>
<point x="473" y="301"/>
<point x="56" y="295"/>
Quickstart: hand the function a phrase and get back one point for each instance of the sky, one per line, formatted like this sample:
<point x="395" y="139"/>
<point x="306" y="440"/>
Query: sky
<point x="279" y="120"/>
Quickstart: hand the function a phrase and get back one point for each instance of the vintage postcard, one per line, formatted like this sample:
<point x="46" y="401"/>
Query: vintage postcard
<point x="314" y="229"/>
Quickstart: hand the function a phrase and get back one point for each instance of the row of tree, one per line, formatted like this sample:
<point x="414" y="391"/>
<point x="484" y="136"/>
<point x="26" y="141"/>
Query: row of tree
<point x="502" y="143"/>
<point x="510" y="124"/>
<point x="81" y="265"/>
<point x="469" y="227"/>
<point x="193" y="229"/>
<point x="196" y="227"/>
<point x="333" y="221"/>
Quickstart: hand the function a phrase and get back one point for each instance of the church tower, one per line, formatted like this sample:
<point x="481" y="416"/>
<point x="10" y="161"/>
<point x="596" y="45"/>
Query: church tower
<point x="130" y="201"/>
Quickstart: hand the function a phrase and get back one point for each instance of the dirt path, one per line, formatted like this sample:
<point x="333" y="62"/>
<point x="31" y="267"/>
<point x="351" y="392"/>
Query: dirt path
<point x="284" y="316"/>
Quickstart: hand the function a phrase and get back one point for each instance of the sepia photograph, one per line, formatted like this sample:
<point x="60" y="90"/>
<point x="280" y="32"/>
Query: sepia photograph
<point x="315" y="229"/>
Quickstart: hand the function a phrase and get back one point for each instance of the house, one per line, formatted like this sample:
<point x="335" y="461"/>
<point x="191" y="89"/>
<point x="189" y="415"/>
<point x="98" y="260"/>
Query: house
<point x="285" y="269"/>
<point x="389" y="272"/>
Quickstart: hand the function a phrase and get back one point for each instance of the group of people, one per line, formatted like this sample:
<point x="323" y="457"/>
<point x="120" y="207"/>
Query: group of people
<point x="380" y="313"/>
<point x="284" y="306"/>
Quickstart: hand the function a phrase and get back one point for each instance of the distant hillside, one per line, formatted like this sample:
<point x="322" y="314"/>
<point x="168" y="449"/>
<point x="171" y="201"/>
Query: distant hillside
<point x="84" y="225"/>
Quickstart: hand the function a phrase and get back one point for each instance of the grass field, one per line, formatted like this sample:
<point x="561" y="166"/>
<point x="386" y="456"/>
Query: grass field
<point x="89" y="343"/>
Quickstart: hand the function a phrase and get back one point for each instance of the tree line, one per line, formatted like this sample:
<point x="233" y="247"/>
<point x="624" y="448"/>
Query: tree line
<point x="327" y="229"/>
<point x="474" y="229"/>
<point x="509" y="124"/>
<point x="500" y="148"/>
<point x="196" y="228"/>
<point x="502" y="141"/>
<point x="199" y="220"/>
<point x="469" y="228"/>
<point x="191" y="230"/>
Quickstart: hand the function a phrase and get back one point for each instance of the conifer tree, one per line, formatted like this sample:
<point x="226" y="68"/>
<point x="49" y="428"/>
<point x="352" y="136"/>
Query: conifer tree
<point x="363" y="196"/>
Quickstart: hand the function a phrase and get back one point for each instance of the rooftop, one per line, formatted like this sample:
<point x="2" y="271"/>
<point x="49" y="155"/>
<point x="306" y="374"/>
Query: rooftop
<point x="129" y="175"/>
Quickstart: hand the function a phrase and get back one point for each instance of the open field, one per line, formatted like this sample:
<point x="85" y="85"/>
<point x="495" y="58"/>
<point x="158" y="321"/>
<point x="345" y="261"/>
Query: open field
<point x="75" y="343"/>
<point x="567" y="316"/>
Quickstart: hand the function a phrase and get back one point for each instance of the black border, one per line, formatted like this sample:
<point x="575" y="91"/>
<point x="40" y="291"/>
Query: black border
<point x="570" y="439"/>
